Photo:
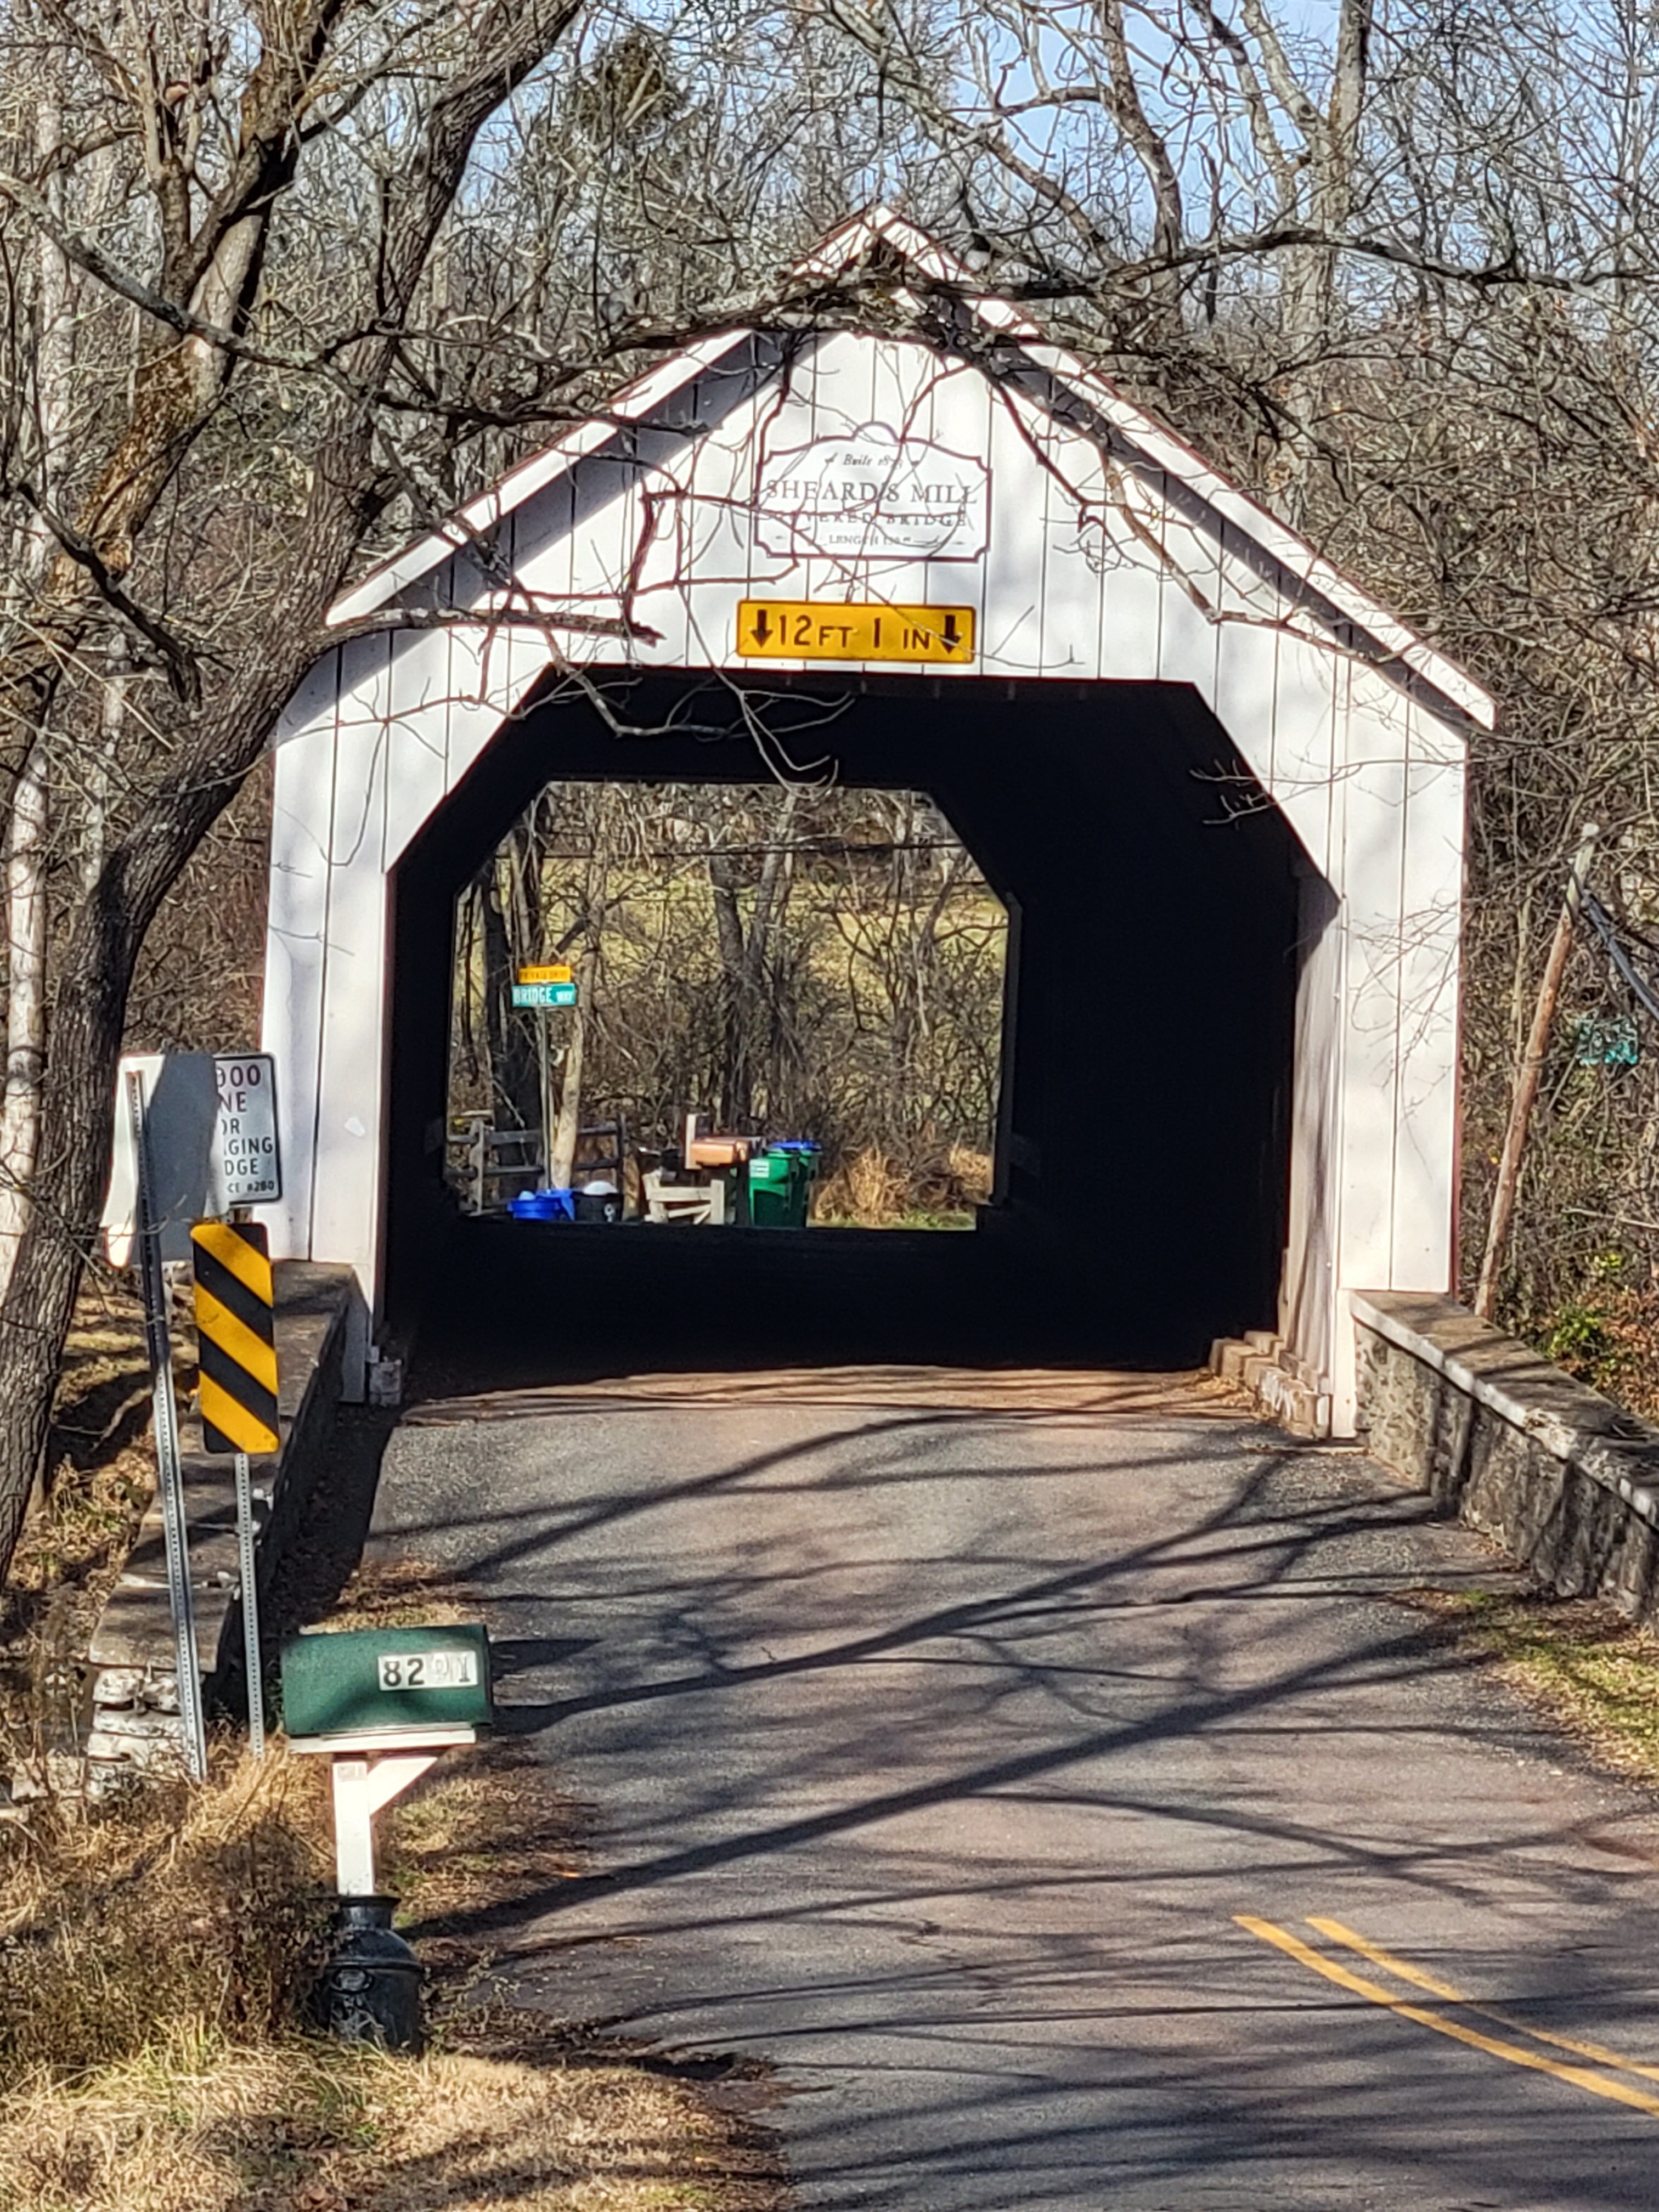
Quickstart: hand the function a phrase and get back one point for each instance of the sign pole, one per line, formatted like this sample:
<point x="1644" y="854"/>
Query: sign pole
<point x="170" y="1479"/>
<point x="546" y="1073"/>
<point x="1527" y="1077"/>
<point x="543" y="985"/>
<point x="248" y="1574"/>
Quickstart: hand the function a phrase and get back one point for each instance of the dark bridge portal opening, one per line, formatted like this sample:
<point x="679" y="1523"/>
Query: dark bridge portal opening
<point x="1142" y="1150"/>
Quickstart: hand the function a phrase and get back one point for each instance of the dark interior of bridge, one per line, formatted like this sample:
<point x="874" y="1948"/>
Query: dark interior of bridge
<point x="1145" y="1087"/>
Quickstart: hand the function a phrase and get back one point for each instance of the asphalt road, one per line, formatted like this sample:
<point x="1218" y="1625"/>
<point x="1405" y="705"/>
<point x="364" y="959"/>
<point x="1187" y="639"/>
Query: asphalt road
<point x="983" y="1756"/>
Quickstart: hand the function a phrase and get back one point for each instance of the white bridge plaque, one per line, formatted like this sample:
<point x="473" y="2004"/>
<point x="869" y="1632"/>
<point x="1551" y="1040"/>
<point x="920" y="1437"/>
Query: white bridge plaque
<point x="875" y="496"/>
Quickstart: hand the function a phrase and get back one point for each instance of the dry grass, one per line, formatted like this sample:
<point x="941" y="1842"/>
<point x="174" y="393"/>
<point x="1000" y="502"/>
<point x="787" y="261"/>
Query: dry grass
<point x="205" y="2125"/>
<point x="154" y="1956"/>
<point x="100" y="1470"/>
<point x="99" y="1477"/>
<point x="874" y="1191"/>
<point x="1592" y="1670"/>
<point x="175" y="1911"/>
<point x="401" y="1593"/>
<point x="198" y="2125"/>
<point x="450" y="1854"/>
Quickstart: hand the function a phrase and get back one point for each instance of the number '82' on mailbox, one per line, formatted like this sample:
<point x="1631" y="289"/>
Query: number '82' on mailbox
<point x="428" y="1670"/>
<point x="357" y="1680"/>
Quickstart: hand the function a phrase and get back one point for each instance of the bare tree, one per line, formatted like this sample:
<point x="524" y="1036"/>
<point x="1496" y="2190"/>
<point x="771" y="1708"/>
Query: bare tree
<point x="218" y="158"/>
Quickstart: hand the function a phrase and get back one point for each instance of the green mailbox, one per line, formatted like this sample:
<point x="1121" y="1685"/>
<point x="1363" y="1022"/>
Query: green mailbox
<point x="391" y="1681"/>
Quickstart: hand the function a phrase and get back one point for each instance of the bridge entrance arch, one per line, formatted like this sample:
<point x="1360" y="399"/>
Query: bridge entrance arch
<point x="1219" y="790"/>
<point x="1142" y="1148"/>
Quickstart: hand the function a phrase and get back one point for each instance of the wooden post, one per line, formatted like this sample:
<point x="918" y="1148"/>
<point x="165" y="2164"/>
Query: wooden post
<point x="365" y="1783"/>
<point x="1528" y="1078"/>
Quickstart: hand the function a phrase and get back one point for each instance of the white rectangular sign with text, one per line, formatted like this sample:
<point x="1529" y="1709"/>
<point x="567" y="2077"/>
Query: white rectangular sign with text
<point x="246" y="1169"/>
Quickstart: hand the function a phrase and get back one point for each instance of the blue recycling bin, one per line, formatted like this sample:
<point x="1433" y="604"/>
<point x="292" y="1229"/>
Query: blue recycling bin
<point x="542" y="1206"/>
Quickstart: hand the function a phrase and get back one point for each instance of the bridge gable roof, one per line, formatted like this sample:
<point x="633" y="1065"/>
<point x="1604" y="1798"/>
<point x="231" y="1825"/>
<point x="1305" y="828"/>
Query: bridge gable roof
<point x="1047" y="381"/>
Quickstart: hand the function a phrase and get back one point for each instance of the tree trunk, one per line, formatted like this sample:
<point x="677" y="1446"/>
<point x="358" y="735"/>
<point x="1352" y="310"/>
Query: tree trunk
<point x="54" y="346"/>
<point x="26" y="1001"/>
<point x="1332" y="149"/>
<point x="746" y="954"/>
<point x="94" y="799"/>
<point x="1151" y="149"/>
<point x="562" y="1153"/>
<point x="515" y="1082"/>
<point x="29" y="834"/>
<point x="596" y="898"/>
<point x="730" y="1103"/>
<point x="68" y="1180"/>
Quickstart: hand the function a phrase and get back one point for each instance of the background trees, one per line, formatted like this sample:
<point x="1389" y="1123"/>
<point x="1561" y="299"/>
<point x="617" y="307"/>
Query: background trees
<point x="792" y="960"/>
<point x="282" y="279"/>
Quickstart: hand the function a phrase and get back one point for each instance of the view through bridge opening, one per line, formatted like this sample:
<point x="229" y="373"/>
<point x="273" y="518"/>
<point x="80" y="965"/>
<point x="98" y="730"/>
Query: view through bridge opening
<point x="727" y="1005"/>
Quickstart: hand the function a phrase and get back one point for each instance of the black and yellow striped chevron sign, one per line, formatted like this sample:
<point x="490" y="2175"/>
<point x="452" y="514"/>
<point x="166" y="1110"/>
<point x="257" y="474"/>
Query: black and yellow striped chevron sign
<point x="236" y="1334"/>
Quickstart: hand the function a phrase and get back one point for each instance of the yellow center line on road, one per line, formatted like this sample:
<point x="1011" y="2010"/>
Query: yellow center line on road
<point x="1597" y="2085"/>
<point x="1595" y="2052"/>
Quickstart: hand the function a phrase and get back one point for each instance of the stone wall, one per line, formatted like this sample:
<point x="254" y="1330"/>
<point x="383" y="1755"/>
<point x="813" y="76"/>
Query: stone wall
<point x="1553" y="1471"/>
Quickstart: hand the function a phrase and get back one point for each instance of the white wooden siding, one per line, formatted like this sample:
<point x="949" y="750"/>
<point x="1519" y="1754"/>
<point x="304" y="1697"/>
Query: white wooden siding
<point x="1097" y="569"/>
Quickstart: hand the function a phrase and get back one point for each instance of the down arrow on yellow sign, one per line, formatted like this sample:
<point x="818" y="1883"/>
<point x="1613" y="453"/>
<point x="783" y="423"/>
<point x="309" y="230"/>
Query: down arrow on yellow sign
<point x="827" y="629"/>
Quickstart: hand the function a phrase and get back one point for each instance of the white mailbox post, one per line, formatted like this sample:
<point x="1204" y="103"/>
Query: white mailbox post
<point x="381" y="1704"/>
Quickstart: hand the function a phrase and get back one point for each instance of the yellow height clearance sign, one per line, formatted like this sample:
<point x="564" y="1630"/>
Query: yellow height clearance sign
<point x="236" y="1332"/>
<point x="827" y="630"/>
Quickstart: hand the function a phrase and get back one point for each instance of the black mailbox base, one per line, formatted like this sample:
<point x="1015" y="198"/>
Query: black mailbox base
<point x="370" y="1990"/>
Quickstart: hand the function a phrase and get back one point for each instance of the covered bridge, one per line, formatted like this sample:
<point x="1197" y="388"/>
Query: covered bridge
<point x="1219" y="790"/>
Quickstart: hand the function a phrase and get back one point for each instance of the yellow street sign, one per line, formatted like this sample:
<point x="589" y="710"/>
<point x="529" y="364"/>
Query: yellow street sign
<point x="556" y="974"/>
<point x="825" y="630"/>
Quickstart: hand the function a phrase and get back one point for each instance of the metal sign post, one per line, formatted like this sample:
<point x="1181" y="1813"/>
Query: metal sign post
<point x="545" y="1083"/>
<point x="543" y="987"/>
<point x="252" y="1664"/>
<point x="170" y="1480"/>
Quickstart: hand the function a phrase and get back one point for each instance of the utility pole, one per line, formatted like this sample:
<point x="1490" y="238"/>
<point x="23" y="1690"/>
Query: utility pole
<point x="1528" y="1077"/>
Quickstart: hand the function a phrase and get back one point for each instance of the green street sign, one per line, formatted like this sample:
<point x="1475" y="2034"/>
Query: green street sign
<point x="544" y="994"/>
<point x="345" y="1682"/>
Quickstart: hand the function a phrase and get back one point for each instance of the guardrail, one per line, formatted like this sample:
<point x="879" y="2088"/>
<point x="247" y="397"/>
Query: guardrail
<point x="1557" y="1474"/>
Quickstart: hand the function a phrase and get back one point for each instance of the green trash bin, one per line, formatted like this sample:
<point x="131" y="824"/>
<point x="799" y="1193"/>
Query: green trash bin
<point x="772" y="1193"/>
<point x="781" y="1184"/>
